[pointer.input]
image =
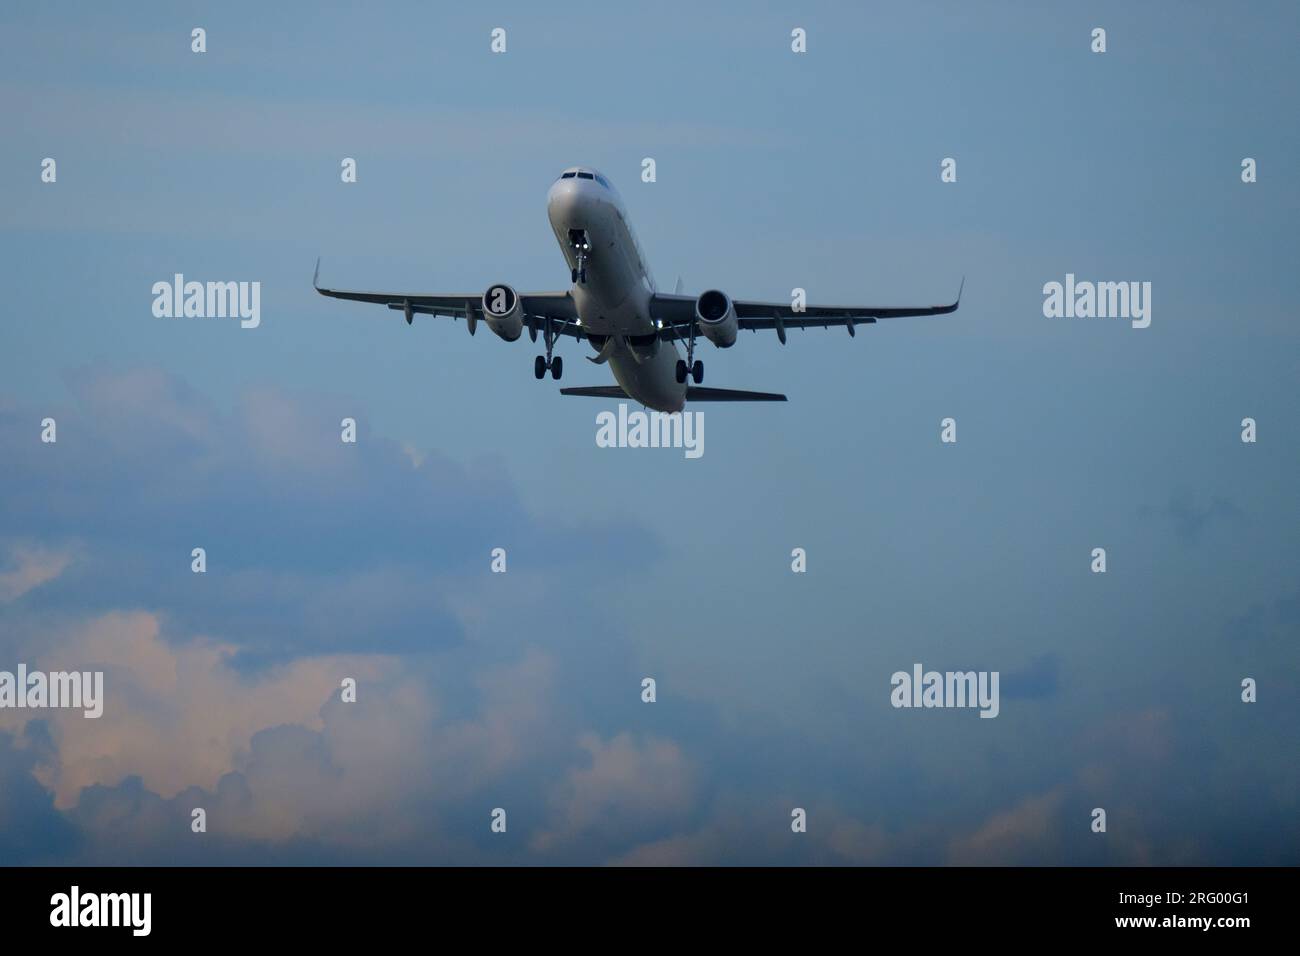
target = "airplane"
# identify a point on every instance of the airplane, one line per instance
(615, 305)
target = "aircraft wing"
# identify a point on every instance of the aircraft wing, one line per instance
(537, 306)
(678, 312)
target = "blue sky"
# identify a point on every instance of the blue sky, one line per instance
(522, 690)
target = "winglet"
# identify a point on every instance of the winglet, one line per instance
(316, 275)
(949, 309)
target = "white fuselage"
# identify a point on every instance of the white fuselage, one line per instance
(615, 298)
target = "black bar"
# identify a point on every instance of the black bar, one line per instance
(333, 905)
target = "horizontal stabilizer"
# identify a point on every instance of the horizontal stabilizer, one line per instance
(700, 394)
(693, 394)
(597, 391)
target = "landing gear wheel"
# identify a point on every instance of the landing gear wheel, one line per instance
(697, 371)
(580, 243)
(681, 371)
(550, 335)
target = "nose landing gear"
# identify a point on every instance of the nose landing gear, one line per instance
(581, 246)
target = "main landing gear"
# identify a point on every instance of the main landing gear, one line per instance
(581, 252)
(696, 370)
(554, 363)
(692, 365)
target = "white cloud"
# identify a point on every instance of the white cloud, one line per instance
(175, 715)
(630, 785)
(32, 566)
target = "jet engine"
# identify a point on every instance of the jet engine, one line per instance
(717, 317)
(503, 312)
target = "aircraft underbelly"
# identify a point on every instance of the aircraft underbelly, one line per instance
(615, 301)
(615, 297)
(651, 381)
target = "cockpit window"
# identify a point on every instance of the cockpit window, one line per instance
(586, 176)
(601, 179)
(567, 175)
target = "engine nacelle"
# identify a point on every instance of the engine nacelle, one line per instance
(717, 316)
(502, 312)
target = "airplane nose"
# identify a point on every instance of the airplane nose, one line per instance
(568, 203)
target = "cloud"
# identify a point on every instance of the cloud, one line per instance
(174, 715)
(631, 786)
(476, 690)
(312, 545)
(743, 830)
(30, 567)
(31, 829)
(323, 561)
(274, 758)
(1027, 833)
